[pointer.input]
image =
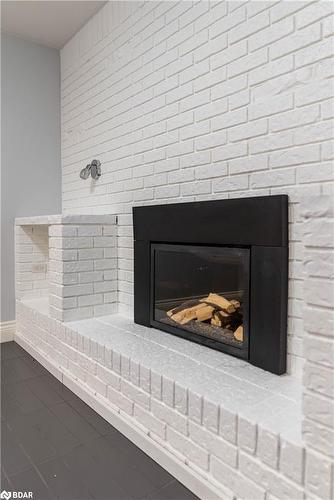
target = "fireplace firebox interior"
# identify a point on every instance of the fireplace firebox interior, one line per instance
(216, 273)
(202, 291)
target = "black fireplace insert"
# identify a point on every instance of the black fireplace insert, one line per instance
(216, 273)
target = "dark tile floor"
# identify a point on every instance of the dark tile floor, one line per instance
(56, 446)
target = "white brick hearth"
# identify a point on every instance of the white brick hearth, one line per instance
(223, 427)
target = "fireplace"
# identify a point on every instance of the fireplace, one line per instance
(216, 273)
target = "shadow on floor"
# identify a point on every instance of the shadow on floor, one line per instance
(56, 446)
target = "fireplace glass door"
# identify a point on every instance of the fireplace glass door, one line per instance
(202, 293)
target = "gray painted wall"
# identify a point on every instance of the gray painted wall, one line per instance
(30, 140)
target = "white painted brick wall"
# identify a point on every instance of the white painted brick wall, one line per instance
(83, 271)
(187, 101)
(318, 398)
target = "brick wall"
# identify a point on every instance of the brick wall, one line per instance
(83, 271)
(318, 397)
(200, 100)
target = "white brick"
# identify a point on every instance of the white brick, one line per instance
(247, 435)
(318, 437)
(195, 407)
(235, 183)
(227, 23)
(168, 391)
(270, 106)
(318, 475)
(269, 479)
(120, 401)
(77, 242)
(148, 420)
(90, 300)
(189, 132)
(271, 34)
(319, 379)
(231, 86)
(215, 446)
(239, 100)
(211, 171)
(228, 425)
(318, 350)
(181, 176)
(294, 118)
(313, 13)
(328, 26)
(181, 399)
(254, 25)
(248, 130)
(230, 54)
(167, 191)
(229, 119)
(61, 230)
(295, 156)
(96, 384)
(210, 79)
(318, 408)
(292, 461)
(247, 63)
(195, 188)
(156, 385)
(125, 367)
(268, 447)
(145, 378)
(228, 152)
(89, 230)
(249, 164)
(136, 395)
(270, 179)
(104, 309)
(204, 143)
(271, 70)
(87, 277)
(315, 132)
(285, 9)
(104, 241)
(105, 286)
(194, 453)
(210, 415)
(71, 290)
(296, 41)
(234, 480)
(210, 110)
(272, 142)
(90, 253)
(171, 417)
(314, 53)
(103, 264)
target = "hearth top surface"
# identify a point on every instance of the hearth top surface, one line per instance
(270, 400)
(46, 220)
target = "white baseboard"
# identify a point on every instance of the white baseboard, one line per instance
(7, 331)
(124, 424)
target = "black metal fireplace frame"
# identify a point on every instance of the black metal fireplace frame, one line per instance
(260, 224)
